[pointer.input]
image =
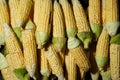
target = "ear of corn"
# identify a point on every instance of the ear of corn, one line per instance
(59, 39)
(102, 49)
(29, 49)
(54, 62)
(95, 17)
(115, 61)
(43, 29)
(84, 32)
(103, 12)
(4, 18)
(44, 66)
(112, 18)
(80, 58)
(23, 12)
(70, 67)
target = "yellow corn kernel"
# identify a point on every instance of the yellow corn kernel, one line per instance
(8, 74)
(103, 12)
(23, 12)
(71, 67)
(58, 27)
(43, 29)
(112, 19)
(115, 61)
(102, 49)
(29, 49)
(13, 7)
(80, 58)
(69, 18)
(44, 66)
(54, 62)
(37, 11)
(84, 33)
(95, 17)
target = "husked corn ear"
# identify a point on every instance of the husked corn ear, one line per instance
(54, 62)
(37, 11)
(112, 19)
(4, 18)
(29, 49)
(115, 61)
(84, 33)
(24, 9)
(58, 39)
(43, 29)
(44, 66)
(80, 58)
(103, 12)
(13, 7)
(8, 74)
(69, 18)
(102, 49)
(95, 17)
(71, 67)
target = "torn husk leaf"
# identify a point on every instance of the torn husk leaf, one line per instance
(3, 62)
(112, 28)
(85, 37)
(59, 42)
(21, 73)
(96, 29)
(71, 32)
(115, 39)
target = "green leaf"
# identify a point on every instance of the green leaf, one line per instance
(3, 62)
(115, 39)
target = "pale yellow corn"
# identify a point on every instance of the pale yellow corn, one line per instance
(82, 74)
(80, 17)
(23, 12)
(115, 61)
(44, 66)
(37, 11)
(80, 58)
(8, 74)
(29, 49)
(54, 62)
(102, 49)
(103, 12)
(71, 67)
(13, 7)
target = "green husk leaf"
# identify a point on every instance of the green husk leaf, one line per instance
(18, 31)
(106, 75)
(71, 32)
(112, 28)
(30, 25)
(101, 61)
(115, 39)
(5, 51)
(21, 73)
(45, 78)
(96, 29)
(85, 37)
(27, 77)
(73, 42)
(3, 62)
(59, 42)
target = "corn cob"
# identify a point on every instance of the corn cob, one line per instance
(37, 11)
(102, 49)
(71, 28)
(84, 33)
(80, 58)
(70, 67)
(115, 61)
(44, 66)
(43, 29)
(4, 18)
(13, 6)
(112, 18)
(58, 39)
(103, 12)
(54, 62)
(95, 17)
(23, 12)
(29, 48)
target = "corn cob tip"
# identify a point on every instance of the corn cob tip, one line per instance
(95, 76)
(73, 42)
(60, 77)
(112, 28)
(96, 29)
(45, 73)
